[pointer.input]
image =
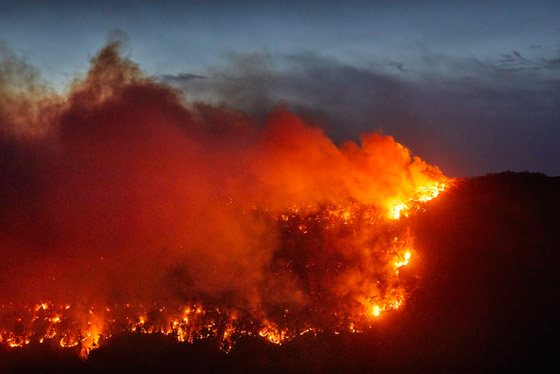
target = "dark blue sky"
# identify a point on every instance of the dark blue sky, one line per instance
(473, 87)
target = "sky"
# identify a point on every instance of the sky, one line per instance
(473, 87)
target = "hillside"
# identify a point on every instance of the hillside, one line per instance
(488, 259)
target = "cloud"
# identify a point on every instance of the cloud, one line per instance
(467, 115)
(181, 77)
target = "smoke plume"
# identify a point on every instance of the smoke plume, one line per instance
(122, 190)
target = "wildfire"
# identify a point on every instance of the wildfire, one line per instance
(422, 195)
(195, 220)
(74, 326)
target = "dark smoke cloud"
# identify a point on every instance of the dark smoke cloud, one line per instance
(466, 115)
(182, 77)
(121, 190)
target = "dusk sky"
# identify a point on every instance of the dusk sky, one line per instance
(470, 88)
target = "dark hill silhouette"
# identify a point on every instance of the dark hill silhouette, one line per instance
(488, 255)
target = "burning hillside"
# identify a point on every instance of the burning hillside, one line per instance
(127, 208)
(343, 286)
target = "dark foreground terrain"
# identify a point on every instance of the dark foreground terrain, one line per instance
(488, 301)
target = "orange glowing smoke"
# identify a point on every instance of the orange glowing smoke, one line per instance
(129, 208)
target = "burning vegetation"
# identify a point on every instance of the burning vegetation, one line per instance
(127, 208)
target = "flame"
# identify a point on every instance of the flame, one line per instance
(273, 334)
(421, 195)
(404, 261)
(398, 209)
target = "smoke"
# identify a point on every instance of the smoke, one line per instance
(468, 115)
(122, 191)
